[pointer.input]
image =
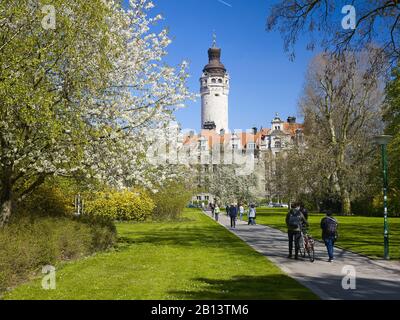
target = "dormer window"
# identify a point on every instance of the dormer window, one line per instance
(278, 144)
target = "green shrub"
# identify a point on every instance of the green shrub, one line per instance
(44, 231)
(47, 200)
(123, 205)
(171, 200)
(28, 244)
(103, 230)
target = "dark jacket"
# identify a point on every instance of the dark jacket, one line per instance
(233, 211)
(304, 211)
(303, 221)
(324, 226)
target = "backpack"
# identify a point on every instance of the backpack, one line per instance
(252, 213)
(294, 219)
(331, 226)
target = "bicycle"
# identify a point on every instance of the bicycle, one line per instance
(307, 245)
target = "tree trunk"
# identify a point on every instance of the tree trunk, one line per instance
(317, 206)
(5, 197)
(5, 207)
(346, 203)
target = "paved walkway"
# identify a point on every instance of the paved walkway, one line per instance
(374, 279)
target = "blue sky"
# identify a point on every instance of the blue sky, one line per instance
(263, 79)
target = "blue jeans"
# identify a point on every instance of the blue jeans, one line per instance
(330, 242)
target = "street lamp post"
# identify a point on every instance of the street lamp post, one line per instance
(383, 141)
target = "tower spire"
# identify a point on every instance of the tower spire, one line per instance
(214, 44)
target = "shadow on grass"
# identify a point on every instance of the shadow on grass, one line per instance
(272, 287)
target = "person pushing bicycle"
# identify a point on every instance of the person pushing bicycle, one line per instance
(295, 221)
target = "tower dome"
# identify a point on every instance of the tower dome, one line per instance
(214, 66)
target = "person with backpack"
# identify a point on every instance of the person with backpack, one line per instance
(252, 215)
(329, 233)
(216, 212)
(294, 222)
(233, 212)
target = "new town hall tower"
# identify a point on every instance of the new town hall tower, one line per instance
(214, 89)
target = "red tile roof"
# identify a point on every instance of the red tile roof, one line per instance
(214, 138)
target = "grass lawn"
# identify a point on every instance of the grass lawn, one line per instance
(192, 259)
(359, 234)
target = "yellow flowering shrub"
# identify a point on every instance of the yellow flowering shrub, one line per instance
(123, 205)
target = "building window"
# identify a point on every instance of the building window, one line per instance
(198, 197)
(217, 94)
(251, 145)
(207, 198)
(278, 144)
(213, 80)
(219, 80)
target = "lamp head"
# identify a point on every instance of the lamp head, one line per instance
(382, 139)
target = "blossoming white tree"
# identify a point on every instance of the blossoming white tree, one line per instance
(80, 99)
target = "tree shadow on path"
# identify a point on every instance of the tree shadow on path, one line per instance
(271, 287)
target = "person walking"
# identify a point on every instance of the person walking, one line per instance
(212, 207)
(241, 212)
(216, 212)
(252, 215)
(329, 233)
(227, 208)
(233, 212)
(294, 222)
(304, 211)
